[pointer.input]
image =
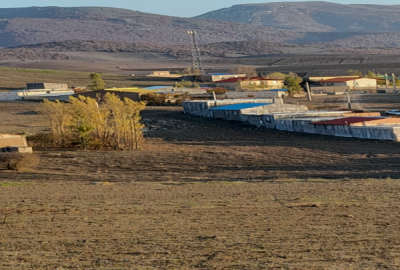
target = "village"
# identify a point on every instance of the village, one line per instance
(273, 101)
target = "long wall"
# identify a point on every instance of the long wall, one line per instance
(305, 125)
(296, 120)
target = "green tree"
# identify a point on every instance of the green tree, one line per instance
(371, 75)
(276, 76)
(354, 72)
(97, 82)
(292, 82)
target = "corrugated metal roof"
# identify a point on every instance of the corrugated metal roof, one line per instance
(346, 121)
(233, 80)
(222, 74)
(339, 80)
(157, 87)
(278, 90)
(239, 106)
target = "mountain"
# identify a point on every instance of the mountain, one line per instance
(242, 30)
(313, 16)
(21, 26)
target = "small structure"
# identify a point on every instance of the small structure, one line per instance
(254, 83)
(163, 74)
(215, 77)
(47, 86)
(351, 83)
(14, 143)
(39, 91)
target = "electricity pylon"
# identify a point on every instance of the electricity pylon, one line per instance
(196, 56)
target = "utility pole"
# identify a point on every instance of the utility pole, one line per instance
(394, 81)
(349, 101)
(308, 91)
(196, 55)
(387, 81)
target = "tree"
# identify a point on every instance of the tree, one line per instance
(276, 76)
(292, 82)
(97, 82)
(354, 72)
(371, 75)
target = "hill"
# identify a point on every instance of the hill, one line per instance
(22, 26)
(313, 16)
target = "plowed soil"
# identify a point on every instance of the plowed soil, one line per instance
(201, 195)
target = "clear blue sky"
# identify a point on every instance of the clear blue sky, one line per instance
(183, 8)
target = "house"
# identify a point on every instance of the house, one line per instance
(47, 86)
(351, 83)
(316, 80)
(254, 83)
(215, 77)
(163, 74)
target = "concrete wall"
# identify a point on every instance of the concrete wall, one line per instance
(9, 96)
(294, 118)
(201, 107)
(391, 133)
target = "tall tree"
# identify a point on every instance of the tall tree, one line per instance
(96, 82)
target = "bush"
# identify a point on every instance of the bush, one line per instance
(154, 99)
(114, 123)
(96, 82)
(18, 161)
(292, 82)
(187, 84)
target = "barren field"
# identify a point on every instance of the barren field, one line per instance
(202, 195)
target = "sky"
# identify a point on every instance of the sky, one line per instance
(181, 8)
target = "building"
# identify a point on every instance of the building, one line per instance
(163, 74)
(323, 78)
(47, 86)
(215, 77)
(350, 83)
(254, 83)
(39, 91)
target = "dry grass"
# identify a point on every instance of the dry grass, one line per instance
(112, 123)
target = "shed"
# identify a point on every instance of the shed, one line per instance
(351, 83)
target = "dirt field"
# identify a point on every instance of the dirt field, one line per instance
(202, 195)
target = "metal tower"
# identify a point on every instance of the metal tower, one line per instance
(196, 56)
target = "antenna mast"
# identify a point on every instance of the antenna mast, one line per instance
(196, 56)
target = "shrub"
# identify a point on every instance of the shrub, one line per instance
(18, 161)
(96, 82)
(154, 99)
(114, 123)
(292, 82)
(187, 84)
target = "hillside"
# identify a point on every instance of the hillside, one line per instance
(317, 28)
(313, 16)
(21, 26)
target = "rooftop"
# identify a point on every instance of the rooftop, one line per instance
(347, 121)
(233, 80)
(343, 79)
(239, 106)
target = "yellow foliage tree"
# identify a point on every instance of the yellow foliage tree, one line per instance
(114, 123)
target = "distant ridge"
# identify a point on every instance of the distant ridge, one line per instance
(313, 16)
(250, 29)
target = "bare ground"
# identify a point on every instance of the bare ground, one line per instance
(202, 195)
